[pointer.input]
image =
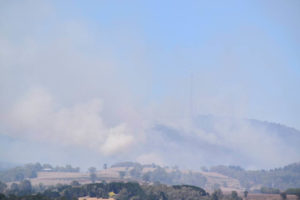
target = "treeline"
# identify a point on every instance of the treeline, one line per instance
(282, 178)
(161, 175)
(295, 191)
(67, 168)
(30, 171)
(283, 194)
(117, 190)
(133, 164)
(174, 177)
(266, 190)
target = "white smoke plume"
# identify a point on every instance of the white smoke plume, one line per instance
(37, 116)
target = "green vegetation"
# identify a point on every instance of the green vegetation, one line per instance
(266, 190)
(246, 193)
(20, 173)
(162, 175)
(119, 191)
(295, 191)
(283, 195)
(30, 171)
(93, 175)
(282, 178)
(3, 187)
(235, 196)
(217, 194)
(126, 164)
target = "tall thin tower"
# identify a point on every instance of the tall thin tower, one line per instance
(191, 102)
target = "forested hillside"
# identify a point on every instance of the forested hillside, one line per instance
(282, 178)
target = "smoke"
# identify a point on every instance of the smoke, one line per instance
(69, 81)
(38, 117)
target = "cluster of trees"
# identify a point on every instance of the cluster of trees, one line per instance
(282, 178)
(119, 190)
(20, 173)
(126, 164)
(30, 171)
(93, 175)
(67, 168)
(161, 175)
(266, 190)
(290, 191)
(218, 195)
(174, 177)
(294, 191)
(283, 194)
(21, 189)
(133, 164)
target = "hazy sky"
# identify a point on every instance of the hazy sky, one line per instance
(75, 70)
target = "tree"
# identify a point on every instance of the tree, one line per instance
(214, 196)
(2, 196)
(146, 177)
(14, 188)
(75, 183)
(41, 187)
(295, 191)
(235, 196)
(19, 176)
(266, 190)
(25, 187)
(283, 195)
(122, 174)
(3, 186)
(136, 172)
(217, 194)
(92, 169)
(204, 169)
(93, 175)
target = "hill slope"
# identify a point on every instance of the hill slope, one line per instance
(210, 140)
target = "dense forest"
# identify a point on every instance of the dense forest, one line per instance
(282, 178)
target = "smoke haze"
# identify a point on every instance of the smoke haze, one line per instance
(104, 82)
